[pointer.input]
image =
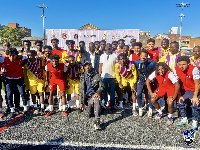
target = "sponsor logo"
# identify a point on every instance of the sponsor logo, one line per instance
(189, 136)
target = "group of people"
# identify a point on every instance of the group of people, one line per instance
(105, 77)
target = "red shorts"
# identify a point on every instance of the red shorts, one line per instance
(161, 91)
(57, 82)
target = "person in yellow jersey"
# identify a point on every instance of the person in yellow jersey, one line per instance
(126, 75)
(195, 59)
(74, 70)
(171, 58)
(35, 73)
(71, 51)
(165, 48)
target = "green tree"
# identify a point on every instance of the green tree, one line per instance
(12, 35)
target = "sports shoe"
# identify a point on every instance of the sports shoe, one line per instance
(158, 116)
(194, 128)
(97, 125)
(69, 110)
(64, 113)
(1, 115)
(113, 109)
(135, 113)
(120, 110)
(170, 121)
(195, 125)
(49, 113)
(78, 110)
(13, 115)
(140, 113)
(149, 115)
(36, 111)
(182, 122)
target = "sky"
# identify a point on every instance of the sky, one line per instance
(156, 16)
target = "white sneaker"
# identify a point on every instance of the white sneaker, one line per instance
(149, 114)
(60, 108)
(140, 113)
(48, 108)
(135, 113)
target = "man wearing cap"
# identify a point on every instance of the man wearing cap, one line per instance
(90, 93)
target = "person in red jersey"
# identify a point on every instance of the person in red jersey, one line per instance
(137, 47)
(14, 76)
(57, 50)
(189, 75)
(58, 75)
(153, 53)
(168, 84)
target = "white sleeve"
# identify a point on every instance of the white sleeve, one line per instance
(101, 59)
(65, 68)
(2, 59)
(175, 74)
(130, 57)
(46, 68)
(195, 73)
(152, 76)
(173, 77)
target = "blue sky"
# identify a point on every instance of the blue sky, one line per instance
(157, 16)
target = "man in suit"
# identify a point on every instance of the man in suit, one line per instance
(91, 56)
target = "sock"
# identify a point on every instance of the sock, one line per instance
(150, 110)
(169, 115)
(35, 106)
(121, 104)
(51, 107)
(63, 107)
(12, 109)
(140, 109)
(194, 123)
(42, 106)
(60, 102)
(28, 103)
(145, 105)
(25, 108)
(69, 104)
(0, 109)
(54, 97)
(77, 103)
(134, 104)
(159, 111)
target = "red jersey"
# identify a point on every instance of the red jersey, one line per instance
(135, 57)
(154, 54)
(164, 81)
(58, 52)
(13, 69)
(187, 78)
(56, 73)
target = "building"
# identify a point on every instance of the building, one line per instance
(89, 27)
(173, 30)
(143, 37)
(32, 40)
(16, 25)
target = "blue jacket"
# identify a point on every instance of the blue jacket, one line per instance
(144, 69)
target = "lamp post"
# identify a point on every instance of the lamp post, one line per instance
(43, 16)
(182, 15)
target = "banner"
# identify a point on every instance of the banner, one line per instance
(90, 36)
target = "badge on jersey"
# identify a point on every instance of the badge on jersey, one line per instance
(188, 76)
(164, 80)
(50, 86)
(189, 136)
(157, 90)
(154, 54)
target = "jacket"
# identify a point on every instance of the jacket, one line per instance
(97, 85)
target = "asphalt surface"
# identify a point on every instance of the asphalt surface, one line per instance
(119, 131)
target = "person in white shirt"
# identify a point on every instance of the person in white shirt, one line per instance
(91, 56)
(107, 72)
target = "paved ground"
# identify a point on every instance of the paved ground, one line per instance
(119, 131)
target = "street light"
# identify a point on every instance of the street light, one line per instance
(43, 16)
(182, 15)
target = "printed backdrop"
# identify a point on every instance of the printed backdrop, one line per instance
(90, 36)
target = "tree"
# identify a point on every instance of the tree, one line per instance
(12, 35)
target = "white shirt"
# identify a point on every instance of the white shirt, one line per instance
(92, 58)
(195, 73)
(108, 65)
(171, 76)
